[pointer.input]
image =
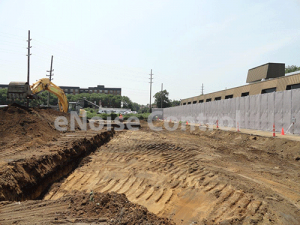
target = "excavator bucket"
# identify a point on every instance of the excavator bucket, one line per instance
(18, 90)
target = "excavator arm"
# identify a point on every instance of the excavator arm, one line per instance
(45, 84)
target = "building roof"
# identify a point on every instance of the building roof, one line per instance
(280, 83)
(266, 71)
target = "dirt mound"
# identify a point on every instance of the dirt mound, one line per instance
(112, 207)
(29, 177)
(76, 208)
(19, 125)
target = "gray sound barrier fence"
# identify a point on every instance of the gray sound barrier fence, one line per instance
(258, 112)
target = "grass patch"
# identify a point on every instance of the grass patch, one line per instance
(90, 113)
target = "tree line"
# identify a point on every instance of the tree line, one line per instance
(292, 68)
(107, 100)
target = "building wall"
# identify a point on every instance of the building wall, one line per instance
(3, 86)
(259, 112)
(281, 84)
(99, 89)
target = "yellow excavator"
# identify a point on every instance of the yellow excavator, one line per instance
(22, 90)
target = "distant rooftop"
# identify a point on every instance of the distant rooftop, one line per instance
(265, 72)
(292, 73)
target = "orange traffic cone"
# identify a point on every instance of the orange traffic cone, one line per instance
(282, 131)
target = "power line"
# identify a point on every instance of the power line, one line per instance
(12, 36)
(50, 78)
(151, 82)
(70, 61)
(28, 62)
(161, 95)
(15, 44)
(87, 66)
(105, 68)
(70, 64)
(91, 62)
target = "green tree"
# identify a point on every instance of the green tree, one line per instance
(41, 100)
(116, 101)
(290, 69)
(107, 100)
(175, 103)
(144, 109)
(135, 107)
(127, 103)
(164, 96)
(3, 95)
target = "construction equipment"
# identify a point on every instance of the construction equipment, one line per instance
(22, 90)
(86, 103)
(18, 90)
(77, 107)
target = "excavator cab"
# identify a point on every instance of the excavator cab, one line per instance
(77, 107)
(18, 90)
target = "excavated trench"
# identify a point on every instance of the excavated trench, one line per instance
(27, 179)
(210, 177)
(34, 157)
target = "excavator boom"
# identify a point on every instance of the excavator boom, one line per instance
(45, 84)
(22, 90)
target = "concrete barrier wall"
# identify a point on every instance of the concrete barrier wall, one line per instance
(159, 116)
(257, 112)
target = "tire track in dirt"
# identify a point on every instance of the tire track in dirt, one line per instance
(167, 179)
(31, 211)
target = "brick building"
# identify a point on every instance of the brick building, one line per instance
(77, 90)
(99, 89)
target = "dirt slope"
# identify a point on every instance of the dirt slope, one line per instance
(19, 125)
(28, 178)
(196, 178)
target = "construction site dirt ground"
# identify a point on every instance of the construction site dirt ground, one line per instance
(151, 177)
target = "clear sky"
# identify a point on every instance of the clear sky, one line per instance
(117, 42)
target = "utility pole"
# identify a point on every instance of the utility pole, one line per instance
(151, 88)
(202, 88)
(161, 93)
(50, 78)
(28, 62)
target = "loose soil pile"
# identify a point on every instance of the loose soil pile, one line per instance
(112, 208)
(76, 207)
(28, 177)
(20, 125)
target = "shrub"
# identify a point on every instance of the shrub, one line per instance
(140, 116)
(105, 115)
(92, 112)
